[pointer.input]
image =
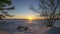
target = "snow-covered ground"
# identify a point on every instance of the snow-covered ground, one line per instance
(35, 27)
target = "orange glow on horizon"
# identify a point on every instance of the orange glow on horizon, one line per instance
(25, 17)
(30, 17)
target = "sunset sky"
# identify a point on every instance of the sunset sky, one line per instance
(22, 9)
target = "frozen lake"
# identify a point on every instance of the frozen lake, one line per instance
(34, 26)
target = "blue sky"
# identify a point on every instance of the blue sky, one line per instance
(22, 7)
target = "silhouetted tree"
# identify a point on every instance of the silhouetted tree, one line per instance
(49, 10)
(4, 6)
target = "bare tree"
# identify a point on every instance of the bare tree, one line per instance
(49, 10)
(4, 6)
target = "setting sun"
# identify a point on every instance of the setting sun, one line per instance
(30, 17)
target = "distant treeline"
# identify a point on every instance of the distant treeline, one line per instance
(27, 19)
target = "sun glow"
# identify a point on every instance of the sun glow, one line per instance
(30, 18)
